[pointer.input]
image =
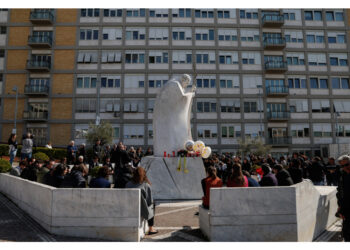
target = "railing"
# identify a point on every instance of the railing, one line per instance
(36, 89)
(40, 141)
(278, 115)
(276, 65)
(273, 19)
(30, 115)
(279, 140)
(40, 40)
(271, 41)
(41, 16)
(35, 65)
(277, 90)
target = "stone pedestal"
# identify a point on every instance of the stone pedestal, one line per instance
(171, 182)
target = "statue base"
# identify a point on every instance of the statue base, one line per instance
(171, 180)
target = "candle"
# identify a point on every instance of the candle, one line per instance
(173, 153)
(164, 153)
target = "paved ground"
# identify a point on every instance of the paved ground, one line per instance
(174, 220)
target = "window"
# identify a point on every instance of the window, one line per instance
(228, 57)
(250, 107)
(250, 35)
(320, 106)
(134, 131)
(135, 13)
(293, 36)
(317, 59)
(230, 105)
(336, 37)
(207, 131)
(108, 105)
(300, 130)
(229, 81)
(151, 105)
(88, 34)
(322, 130)
(134, 106)
(205, 34)
(313, 15)
(205, 81)
(251, 58)
(226, 13)
(85, 105)
(1, 77)
(227, 35)
(251, 81)
(182, 57)
(134, 81)
(203, 106)
(295, 59)
(230, 131)
(334, 16)
(182, 34)
(135, 34)
(342, 106)
(253, 130)
(158, 34)
(205, 57)
(110, 82)
(132, 57)
(298, 106)
(112, 34)
(157, 81)
(87, 57)
(314, 37)
(112, 12)
(204, 13)
(337, 59)
(248, 14)
(158, 13)
(89, 12)
(182, 13)
(3, 30)
(297, 83)
(111, 57)
(158, 57)
(289, 15)
(318, 83)
(340, 83)
(2, 53)
(86, 82)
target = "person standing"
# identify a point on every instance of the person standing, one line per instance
(12, 147)
(282, 175)
(27, 147)
(71, 152)
(343, 196)
(97, 150)
(317, 172)
(332, 172)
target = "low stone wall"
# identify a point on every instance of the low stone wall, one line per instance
(109, 214)
(297, 213)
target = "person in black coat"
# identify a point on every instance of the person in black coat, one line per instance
(269, 179)
(56, 176)
(97, 150)
(295, 170)
(75, 179)
(82, 152)
(282, 175)
(343, 196)
(317, 172)
(101, 180)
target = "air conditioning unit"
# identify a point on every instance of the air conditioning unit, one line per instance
(116, 114)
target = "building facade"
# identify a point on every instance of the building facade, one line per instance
(279, 74)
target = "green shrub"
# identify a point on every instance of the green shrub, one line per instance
(41, 156)
(5, 166)
(55, 153)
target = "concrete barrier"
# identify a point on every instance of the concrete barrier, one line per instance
(109, 214)
(297, 213)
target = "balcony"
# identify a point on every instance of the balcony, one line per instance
(41, 17)
(277, 91)
(276, 66)
(35, 65)
(40, 41)
(278, 115)
(274, 43)
(279, 141)
(35, 116)
(36, 90)
(272, 20)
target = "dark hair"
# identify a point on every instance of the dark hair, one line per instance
(23, 163)
(266, 168)
(212, 172)
(140, 176)
(59, 170)
(81, 168)
(246, 173)
(279, 167)
(103, 172)
(237, 175)
(11, 136)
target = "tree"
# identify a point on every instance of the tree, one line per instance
(103, 132)
(253, 146)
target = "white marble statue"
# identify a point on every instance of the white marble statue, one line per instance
(171, 116)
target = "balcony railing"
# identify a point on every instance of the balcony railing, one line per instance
(274, 43)
(40, 141)
(41, 17)
(36, 90)
(36, 65)
(279, 140)
(278, 115)
(40, 41)
(276, 66)
(272, 20)
(277, 90)
(35, 116)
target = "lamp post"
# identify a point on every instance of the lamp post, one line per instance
(15, 89)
